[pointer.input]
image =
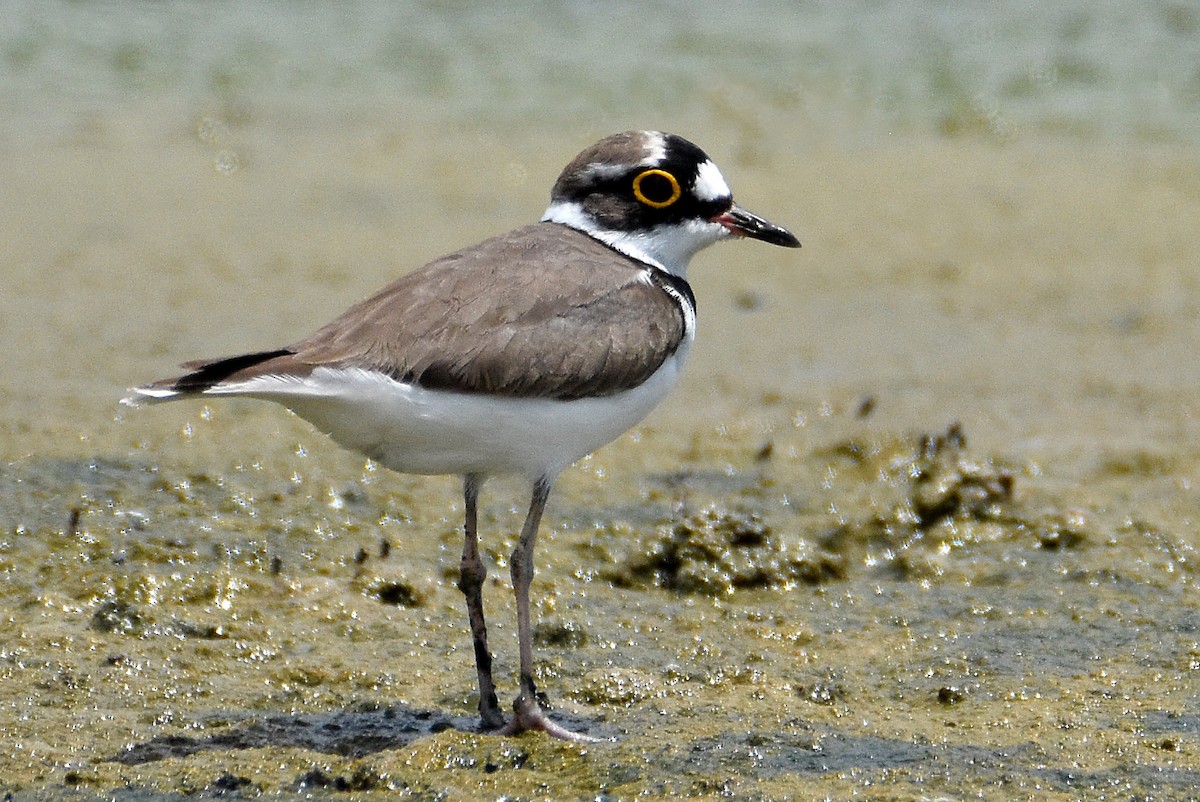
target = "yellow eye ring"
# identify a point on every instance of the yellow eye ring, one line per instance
(656, 204)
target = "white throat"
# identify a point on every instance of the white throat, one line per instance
(669, 247)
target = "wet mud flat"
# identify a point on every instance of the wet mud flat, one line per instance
(953, 629)
(919, 522)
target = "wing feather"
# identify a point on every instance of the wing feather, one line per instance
(543, 311)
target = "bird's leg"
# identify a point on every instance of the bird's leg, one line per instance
(472, 572)
(528, 714)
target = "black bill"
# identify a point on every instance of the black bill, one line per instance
(747, 224)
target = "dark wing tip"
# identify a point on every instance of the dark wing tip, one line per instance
(206, 374)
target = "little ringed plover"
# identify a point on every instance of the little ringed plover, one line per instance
(518, 355)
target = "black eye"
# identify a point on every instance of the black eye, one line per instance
(657, 189)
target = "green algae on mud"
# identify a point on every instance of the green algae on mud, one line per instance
(794, 581)
(957, 645)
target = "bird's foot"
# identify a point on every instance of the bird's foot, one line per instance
(491, 720)
(528, 715)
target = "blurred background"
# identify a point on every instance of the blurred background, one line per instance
(801, 73)
(187, 179)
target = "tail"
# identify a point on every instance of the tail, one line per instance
(204, 376)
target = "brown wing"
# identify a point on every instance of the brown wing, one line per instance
(544, 311)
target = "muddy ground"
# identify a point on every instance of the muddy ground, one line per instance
(918, 523)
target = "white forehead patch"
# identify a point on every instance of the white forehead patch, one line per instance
(710, 184)
(656, 145)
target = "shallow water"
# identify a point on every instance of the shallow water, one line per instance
(856, 599)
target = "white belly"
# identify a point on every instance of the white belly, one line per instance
(414, 430)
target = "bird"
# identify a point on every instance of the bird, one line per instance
(515, 356)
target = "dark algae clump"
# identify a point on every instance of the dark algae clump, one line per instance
(716, 551)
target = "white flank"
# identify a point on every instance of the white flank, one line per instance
(414, 430)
